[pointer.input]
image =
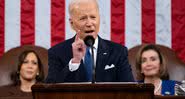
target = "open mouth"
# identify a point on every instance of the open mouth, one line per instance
(89, 31)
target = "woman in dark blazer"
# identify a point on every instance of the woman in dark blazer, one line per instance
(29, 71)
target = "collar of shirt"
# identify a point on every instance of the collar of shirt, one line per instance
(96, 43)
(95, 48)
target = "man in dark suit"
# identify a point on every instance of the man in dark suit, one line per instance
(66, 60)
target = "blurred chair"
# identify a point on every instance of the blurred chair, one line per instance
(175, 67)
(8, 62)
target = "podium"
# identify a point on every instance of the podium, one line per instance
(93, 91)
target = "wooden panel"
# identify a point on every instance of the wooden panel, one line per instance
(93, 91)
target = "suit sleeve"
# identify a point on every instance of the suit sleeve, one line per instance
(125, 71)
(56, 68)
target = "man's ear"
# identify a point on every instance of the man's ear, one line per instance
(71, 23)
(70, 20)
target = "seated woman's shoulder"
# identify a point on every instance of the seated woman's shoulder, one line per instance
(12, 91)
(7, 90)
(170, 81)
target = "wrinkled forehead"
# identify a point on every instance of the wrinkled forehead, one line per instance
(80, 4)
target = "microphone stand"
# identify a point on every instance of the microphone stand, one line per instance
(93, 66)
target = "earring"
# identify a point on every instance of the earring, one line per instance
(37, 74)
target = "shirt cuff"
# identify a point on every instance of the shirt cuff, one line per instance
(73, 66)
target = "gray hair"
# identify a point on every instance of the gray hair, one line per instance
(76, 2)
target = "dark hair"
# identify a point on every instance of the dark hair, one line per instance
(163, 74)
(22, 56)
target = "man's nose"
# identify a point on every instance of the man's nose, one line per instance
(89, 22)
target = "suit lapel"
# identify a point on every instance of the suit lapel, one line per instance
(102, 54)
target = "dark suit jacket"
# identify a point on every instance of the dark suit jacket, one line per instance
(108, 53)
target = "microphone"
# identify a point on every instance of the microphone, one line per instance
(89, 41)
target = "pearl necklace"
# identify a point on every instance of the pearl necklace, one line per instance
(158, 87)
